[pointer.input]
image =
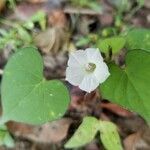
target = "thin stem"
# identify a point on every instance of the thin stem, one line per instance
(1, 72)
(133, 11)
(8, 23)
(58, 77)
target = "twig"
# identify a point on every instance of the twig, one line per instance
(72, 10)
(1, 72)
(58, 77)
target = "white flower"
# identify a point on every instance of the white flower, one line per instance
(86, 69)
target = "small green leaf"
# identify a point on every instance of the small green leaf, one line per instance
(82, 41)
(24, 35)
(5, 137)
(26, 96)
(87, 131)
(39, 17)
(121, 5)
(138, 39)
(8, 141)
(140, 2)
(114, 43)
(130, 87)
(84, 134)
(109, 136)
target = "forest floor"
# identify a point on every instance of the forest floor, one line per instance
(66, 24)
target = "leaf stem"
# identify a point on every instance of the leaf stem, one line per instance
(1, 72)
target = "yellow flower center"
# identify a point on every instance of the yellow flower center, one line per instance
(90, 67)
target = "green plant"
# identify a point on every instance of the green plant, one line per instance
(19, 33)
(93, 4)
(28, 97)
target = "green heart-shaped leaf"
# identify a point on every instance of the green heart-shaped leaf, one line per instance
(130, 87)
(26, 96)
(138, 39)
(114, 43)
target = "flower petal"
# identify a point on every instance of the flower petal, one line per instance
(93, 55)
(101, 72)
(77, 58)
(89, 83)
(74, 75)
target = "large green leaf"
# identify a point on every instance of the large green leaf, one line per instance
(114, 43)
(130, 87)
(109, 136)
(26, 95)
(88, 129)
(138, 39)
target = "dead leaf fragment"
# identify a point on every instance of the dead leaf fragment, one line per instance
(117, 109)
(52, 132)
(139, 140)
(130, 141)
(57, 18)
(51, 40)
(147, 4)
(2, 4)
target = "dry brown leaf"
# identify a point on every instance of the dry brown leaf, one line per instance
(139, 140)
(92, 146)
(20, 129)
(83, 11)
(117, 109)
(104, 117)
(52, 132)
(147, 4)
(83, 104)
(24, 10)
(129, 141)
(106, 19)
(2, 4)
(57, 18)
(45, 40)
(52, 40)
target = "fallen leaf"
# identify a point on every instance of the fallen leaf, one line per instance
(45, 40)
(106, 19)
(52, 132)
(25, 10)
(139, 140)
(19, 129)
(129, 141)
(83, 104)
(147, 4)
(52, 40)
(2, 4)
(57, 18)
(116, 109)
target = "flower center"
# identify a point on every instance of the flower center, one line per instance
(90, 67)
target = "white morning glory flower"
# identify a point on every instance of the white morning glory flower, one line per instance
(86, 69)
